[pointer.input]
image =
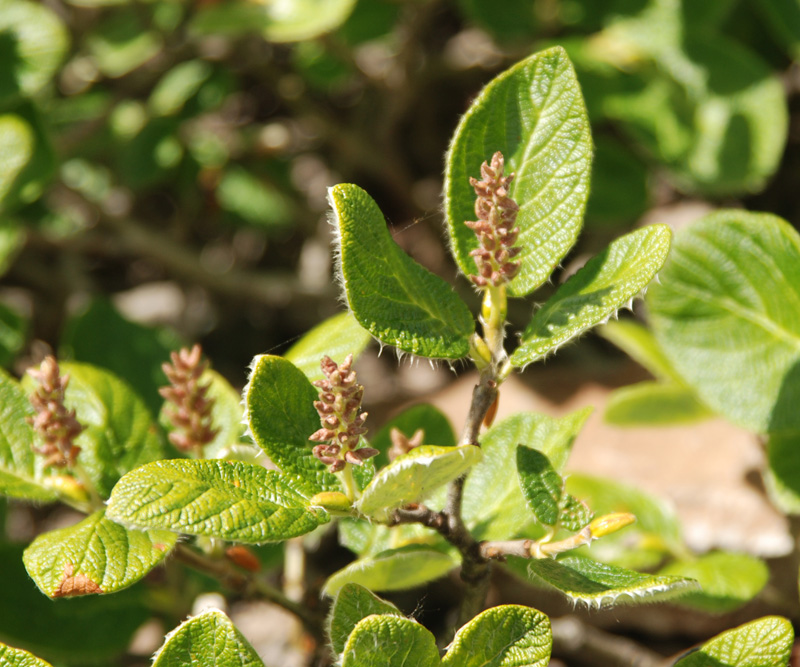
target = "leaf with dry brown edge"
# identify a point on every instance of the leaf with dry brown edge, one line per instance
(94, 556)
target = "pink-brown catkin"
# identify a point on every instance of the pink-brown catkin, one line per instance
(56, 426)
(189, 409)
(497, 215)
(339, 408)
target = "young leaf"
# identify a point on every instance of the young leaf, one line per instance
(597, 291)
(505, 636)
(304, 19)
(434, 424)
(231, 500)
(207, 639)
(94, 556)
(728, 308)
(494, 506)
(534, 114)
(398, 301)
(279, 410)
(120, 434)
(543, 489)
(352, 604)
(765, 642)
(393, 570)
(412, 476)
(19, 476)
(640, 344)
(336, 337)
(390, 641)
(600, 585)
(655, 403)
(727, 580)
(14, 657)
(16, 142)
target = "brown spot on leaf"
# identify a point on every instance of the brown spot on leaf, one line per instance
(71, 585)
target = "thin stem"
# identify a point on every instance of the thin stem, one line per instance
(95, 499)
(249, 584)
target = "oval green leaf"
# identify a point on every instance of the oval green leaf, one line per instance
(398, 301)
(15, 657)
(231, 500)
(504, 636)
(279, 411)
(207, 639)
(336, 337)
(412, 476)
(390, 641)
(16, 146)
(535, 115)
(765, 642)
(782, 477)
(728, 307)
(94, 556)
(639, 343)
(601, 585)
(596, 292)
(655, 404)
(352, 604)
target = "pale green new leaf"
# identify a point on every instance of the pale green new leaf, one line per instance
(639, 343)
(94, 556)
(16, 148)
(505, 636)
(120, 433)
(336, 337)
(727, 308)
(727, 580)
(494, 507)
(20, 472)
(279, 411)
(535, 115)
(204, 640)
(765, 642)
(599, 289)
(601, 585)
(352, 604)
(398, 301)
(390, 641)
(15, 657)
(393, 570)
(413, 476)
(655, 403)
(232, 500)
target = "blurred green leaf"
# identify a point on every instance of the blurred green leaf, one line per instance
(16, 146)
(252, 200)
(655, 404)
(398, 301)
(782, 476)
(298, 20)
(619, 185)
(727, 580)
(151, 154)
(783, 18)
(513, 21)
(177, 86)
(370, 20)
(765, 642)
(121, 43)
(101, 336)
(13, 333)
(11, 241)
(535, 115)
(640, 345)
(352, 604)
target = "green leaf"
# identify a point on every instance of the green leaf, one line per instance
(207, 639)
(398, 301)
(336, 337)
(729, 307)
(765, 642)
(783, 18)
(152, 154)
(33, 41)
(436, 426)
(596, 292)
(13, 334)
(17, 143)
(122, 43)
(390, 641)
(14, 657)
(235, 501)
(279, 411)
(102, 336)
(413, 476)
(655, 404)
(535, 115)
(21, 474)
(494, 507)
(782, 476)
(178, 86)
(253, 201)
(727, 580)
(352, 604)
(601, 585)
(515, 23)
(94, 556)
(504, 636)
(543, 489)
(370, 539)
(640, 344)
(120, 434)
(299, 20)
(393, 570)
(610, 205)
(56, 629)
(655, 535)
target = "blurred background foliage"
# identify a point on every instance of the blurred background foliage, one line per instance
(165, 164)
